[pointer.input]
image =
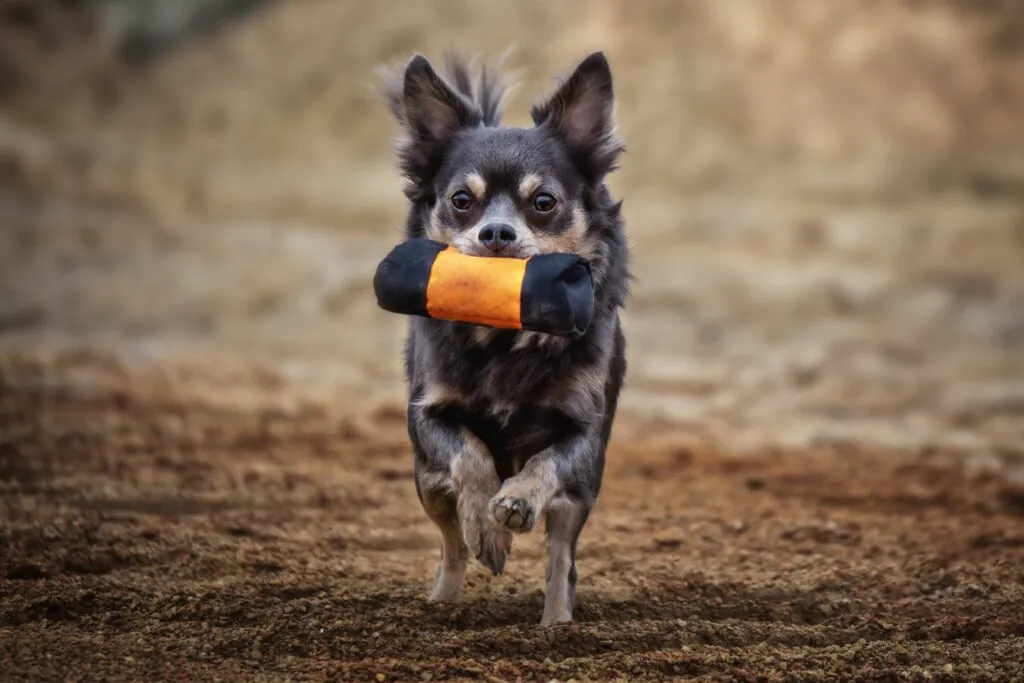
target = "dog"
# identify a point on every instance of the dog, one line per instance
(509, 427)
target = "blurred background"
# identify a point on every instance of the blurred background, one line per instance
(819, 460)
(825, 200)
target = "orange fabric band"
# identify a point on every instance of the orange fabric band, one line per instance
(476, 289)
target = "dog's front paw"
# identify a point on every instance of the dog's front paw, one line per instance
(516, 514)
(495, 546)
(553, 617)
(487, 541)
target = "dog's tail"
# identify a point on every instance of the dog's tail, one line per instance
(489, 91)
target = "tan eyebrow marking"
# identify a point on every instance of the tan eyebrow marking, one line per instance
(529, 184)
(477, 185)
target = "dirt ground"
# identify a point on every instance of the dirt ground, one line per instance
(149, 535)
(818, 471)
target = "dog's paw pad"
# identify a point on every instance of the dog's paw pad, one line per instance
(515, 513)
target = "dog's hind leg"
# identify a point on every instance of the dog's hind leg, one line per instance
(564, 521)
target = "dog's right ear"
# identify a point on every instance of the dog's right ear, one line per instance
(433, 111)
(429, 112)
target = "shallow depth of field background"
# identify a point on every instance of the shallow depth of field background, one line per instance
(826, 208)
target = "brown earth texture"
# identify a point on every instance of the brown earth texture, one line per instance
(817, 473)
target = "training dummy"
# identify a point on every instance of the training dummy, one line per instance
(549, 293)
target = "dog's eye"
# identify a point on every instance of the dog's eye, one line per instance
(461, 200)
(543, 202)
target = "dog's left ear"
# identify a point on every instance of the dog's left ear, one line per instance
(581, 113)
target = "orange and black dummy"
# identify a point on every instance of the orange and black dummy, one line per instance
(548, 293)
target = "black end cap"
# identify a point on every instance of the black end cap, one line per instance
(400, 283)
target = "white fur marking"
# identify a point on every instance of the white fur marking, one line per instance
(437, 393)
(434, 229)
(452, 570)
(557, 593)
(484, 335)
(525, 340)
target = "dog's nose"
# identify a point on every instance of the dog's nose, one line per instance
(497, 236)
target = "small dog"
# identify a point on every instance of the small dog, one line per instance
(508, 427)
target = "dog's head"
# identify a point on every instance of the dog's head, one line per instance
(489, 190)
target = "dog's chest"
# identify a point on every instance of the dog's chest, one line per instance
(514, 434)
(503, 383)
(508, 375)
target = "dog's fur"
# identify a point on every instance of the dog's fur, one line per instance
(509, 427)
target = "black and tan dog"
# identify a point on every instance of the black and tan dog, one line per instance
(509, 427)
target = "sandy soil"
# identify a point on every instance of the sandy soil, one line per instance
(818, 473)
(151, 535)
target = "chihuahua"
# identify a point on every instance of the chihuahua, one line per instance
(511, 427)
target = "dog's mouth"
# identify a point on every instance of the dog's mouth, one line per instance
(515, 251)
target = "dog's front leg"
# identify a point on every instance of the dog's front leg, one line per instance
(561, 482)
(456, 477)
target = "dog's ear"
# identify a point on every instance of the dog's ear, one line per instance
(581, 113)
(429, 112)
(433, 111)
